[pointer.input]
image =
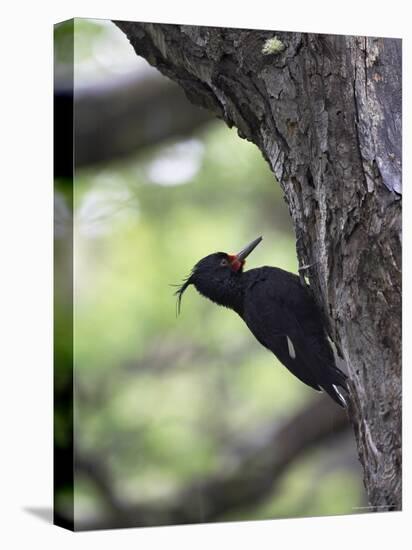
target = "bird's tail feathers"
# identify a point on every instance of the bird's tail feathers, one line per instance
(336, 381)
(335, 394)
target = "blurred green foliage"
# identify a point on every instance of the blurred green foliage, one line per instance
(171, 392)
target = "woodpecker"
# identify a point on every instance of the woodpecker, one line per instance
(279, 311)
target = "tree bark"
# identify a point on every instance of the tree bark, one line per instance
(326, 113)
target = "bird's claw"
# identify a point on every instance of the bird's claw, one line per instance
(307, 266)
(302, 270)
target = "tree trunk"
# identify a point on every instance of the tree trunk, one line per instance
(326, 113)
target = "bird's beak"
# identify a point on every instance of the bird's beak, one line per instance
(244, 253)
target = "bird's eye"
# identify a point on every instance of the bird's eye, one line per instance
(224, 262)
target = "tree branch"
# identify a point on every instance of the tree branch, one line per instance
(113, 120)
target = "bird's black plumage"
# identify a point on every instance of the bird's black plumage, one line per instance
(279, 311)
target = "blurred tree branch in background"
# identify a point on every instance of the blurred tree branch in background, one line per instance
(249, 477)
(112, 119)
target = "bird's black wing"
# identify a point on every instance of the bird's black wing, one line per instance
(284, 318)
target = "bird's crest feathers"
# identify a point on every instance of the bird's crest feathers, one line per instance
(179, 292)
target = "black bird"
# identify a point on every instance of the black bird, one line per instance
(279, 311)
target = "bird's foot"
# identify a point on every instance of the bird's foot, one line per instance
(302, 269)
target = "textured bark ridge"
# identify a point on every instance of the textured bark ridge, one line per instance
(326, 113)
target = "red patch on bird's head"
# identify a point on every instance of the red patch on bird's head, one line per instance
(235, 263)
